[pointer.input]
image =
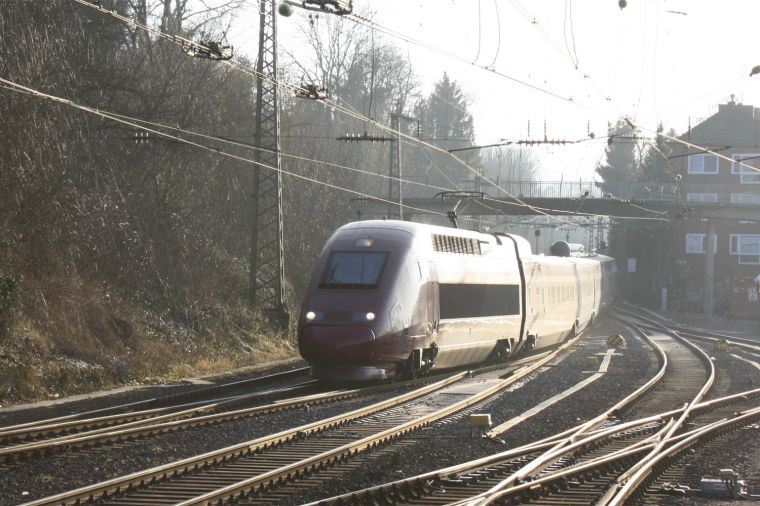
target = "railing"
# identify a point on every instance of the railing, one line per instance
(689, 194)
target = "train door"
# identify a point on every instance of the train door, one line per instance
(433, 306)
(597, 286)
(578, 299)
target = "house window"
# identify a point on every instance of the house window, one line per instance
(703, 164)
(702, 197)
(752, 199)
(747, 174)
(695, 243)
(746, 247)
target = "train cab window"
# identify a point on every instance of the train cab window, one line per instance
(354, 270)
(477, 301)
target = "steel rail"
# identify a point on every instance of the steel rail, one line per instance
(186, 419)
(417, 482)
(662, 436)
(155, 401)
(655, 320)
(556, 446)
(174, 420)
(678, 442)
(139, 478)
(576, 439)
(143, 417)
(136, 479)
(645, 471)
(353, 448)
(568, 442)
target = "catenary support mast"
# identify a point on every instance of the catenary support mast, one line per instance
(267, 258)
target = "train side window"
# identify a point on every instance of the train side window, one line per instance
(473, 301)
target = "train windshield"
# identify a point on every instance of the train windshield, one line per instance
(354, 270)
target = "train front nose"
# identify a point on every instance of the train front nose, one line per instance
(337, 344)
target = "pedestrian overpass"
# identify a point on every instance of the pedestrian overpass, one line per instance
(562, 198)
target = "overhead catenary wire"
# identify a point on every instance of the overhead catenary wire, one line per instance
(10, 85)
(456, 186)
(241, 144)
(374, 25)
(703, 149)
(572, 34)
(479, 29)
(393, 33)
(140, 124)
(498, 33)
(186, 43)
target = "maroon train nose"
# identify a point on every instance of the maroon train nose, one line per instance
(343, 344)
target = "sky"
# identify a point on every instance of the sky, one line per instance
(655, 61)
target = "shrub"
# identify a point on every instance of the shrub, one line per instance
(9, 297)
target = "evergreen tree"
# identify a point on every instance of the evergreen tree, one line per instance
(628, 160)
(446, 121)
(622, 163)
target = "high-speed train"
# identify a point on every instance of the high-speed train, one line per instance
(394, 297)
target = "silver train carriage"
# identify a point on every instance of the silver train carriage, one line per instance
(391, 297)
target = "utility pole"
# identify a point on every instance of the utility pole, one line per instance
(395, 192)
(394, 172)
(267, 274)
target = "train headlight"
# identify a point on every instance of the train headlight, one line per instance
(364, 243)
(311, 315)
(370, 316)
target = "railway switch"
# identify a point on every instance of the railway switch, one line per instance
(723, 344)
(480, 421)
(615, 341)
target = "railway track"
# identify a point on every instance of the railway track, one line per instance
(184, 417)
(266, 462)
(654, 321)
(580, 465)
(691, 375)
(124, 413)
(579, 479)
(42, 438)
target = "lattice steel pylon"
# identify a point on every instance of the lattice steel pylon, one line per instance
(267, 257)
